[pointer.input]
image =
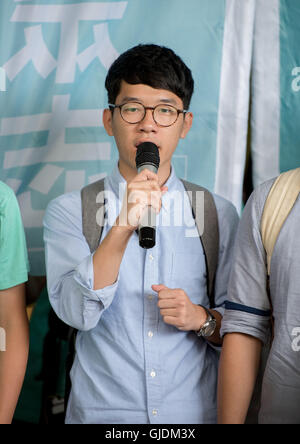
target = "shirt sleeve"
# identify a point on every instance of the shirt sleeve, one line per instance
(13, 252)
(228, 225)
(69, 265)
(248, 307)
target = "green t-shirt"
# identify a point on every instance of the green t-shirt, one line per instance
(13, 252)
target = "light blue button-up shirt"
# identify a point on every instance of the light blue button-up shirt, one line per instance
(131, 367)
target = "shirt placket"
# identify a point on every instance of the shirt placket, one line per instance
(151, 339)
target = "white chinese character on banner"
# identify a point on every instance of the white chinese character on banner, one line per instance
(35, 51)
(56, 150)
(102, 48)
(2, 80)
(69, 17)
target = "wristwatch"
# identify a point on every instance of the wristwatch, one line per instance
(209, 326)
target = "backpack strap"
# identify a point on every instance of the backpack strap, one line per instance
(93, 213)
(209, 237)
(280, 201)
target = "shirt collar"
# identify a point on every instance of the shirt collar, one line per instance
(117, 182)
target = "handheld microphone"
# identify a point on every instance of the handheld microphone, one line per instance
(147, 156)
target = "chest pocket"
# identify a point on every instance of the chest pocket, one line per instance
(189, 274)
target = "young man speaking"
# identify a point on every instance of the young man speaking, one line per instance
(143, 347)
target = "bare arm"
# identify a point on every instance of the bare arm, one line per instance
(107, 258)
(238, 370)
(13, 360)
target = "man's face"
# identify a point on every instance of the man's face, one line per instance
(128, 136)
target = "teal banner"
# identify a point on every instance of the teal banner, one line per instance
(54, 57)
(289, 84)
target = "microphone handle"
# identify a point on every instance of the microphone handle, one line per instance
(147, 224)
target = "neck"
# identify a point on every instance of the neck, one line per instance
(164, 172)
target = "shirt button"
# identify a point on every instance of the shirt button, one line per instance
(152, 374)
(150, 334)
(151, 257)
(150, 297)
(154, 412)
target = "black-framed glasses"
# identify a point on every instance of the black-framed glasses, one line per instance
(163, 114)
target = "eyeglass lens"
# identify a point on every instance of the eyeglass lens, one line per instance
(164, 115)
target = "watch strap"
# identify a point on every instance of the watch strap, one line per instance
(209, 319)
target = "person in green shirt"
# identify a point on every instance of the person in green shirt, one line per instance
(14, 331)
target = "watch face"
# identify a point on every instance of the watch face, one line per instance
(209, 329)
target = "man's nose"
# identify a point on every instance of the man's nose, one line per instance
(148, 123)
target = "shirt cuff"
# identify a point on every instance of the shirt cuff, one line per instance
(18, 279)
(242, 322)
(84, 276)
(220, 310)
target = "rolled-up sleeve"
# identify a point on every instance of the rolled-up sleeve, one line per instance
(239, 321)
(248, 308)
(69, 265)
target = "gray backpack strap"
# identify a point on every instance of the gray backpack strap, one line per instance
(92, 218)
(209, 236)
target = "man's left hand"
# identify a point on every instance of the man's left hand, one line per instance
(177, 309)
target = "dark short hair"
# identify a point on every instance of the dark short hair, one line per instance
(152, 65)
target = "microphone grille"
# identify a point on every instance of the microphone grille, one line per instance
(147, 153)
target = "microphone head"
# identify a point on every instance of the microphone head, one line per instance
(147, 154)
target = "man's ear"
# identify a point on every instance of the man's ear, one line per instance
(107, 121)
(187, 123)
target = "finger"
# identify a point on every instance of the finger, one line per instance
(147, 185)
(163, 292)
(135, 214)
(154, 200)
(141, 197)
(167, 303)
(171, 320)
(169, 312)
(146, 175)
(166, 294)
(159, 287)
(138, 197)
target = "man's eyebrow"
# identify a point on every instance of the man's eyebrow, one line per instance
(137, 99)
(130, 99)
(171, 101)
